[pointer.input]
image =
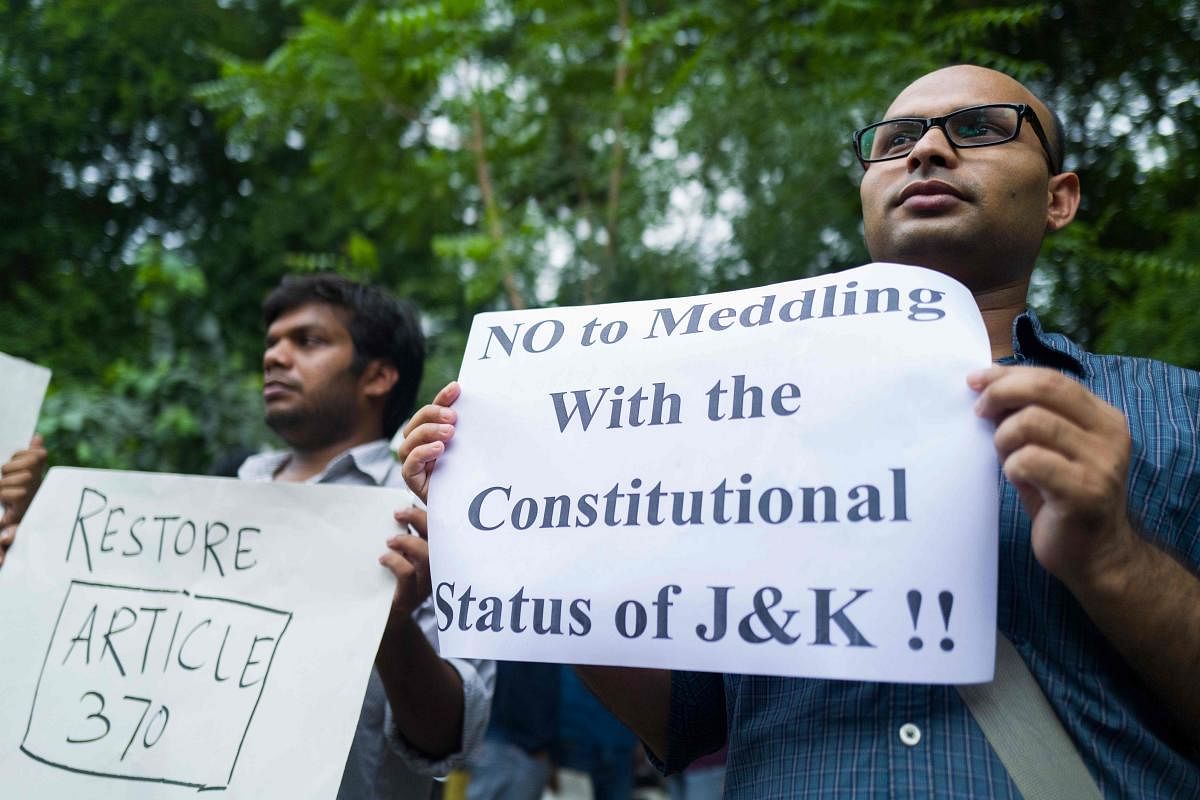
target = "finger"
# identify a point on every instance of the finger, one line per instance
(423, 434)
(413, 548)
(1047, 472)
(430, 413)
(7, 537)
(418, 465)
(22, 478)
(14, 497)
(398, 565)
(30, 457)
(448, 394)
(423, 416)
(1030, 498)
(18, 473)
(1020, 387)
(416, 519)
(981, 379)
(428, 432)
(40, 456)
(22, 461)
(1037, 425)
(437, 411)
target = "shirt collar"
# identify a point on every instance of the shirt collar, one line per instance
(1033, 345)
(373, 459)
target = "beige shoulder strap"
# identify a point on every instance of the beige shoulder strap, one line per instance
(1025, 732)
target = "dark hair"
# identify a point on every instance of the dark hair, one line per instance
(381, 326)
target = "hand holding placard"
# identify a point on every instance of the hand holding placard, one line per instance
(24, 459)
(425, 437)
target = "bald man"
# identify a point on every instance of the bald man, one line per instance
(1099, 519)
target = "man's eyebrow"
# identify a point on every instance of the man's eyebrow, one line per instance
(923, 114)
(297, 330)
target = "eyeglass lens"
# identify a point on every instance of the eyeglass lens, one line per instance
(967, 128)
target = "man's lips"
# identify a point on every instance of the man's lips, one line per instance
(929, 194)
(273, 389)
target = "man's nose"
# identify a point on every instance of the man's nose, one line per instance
(276, 355)
(932, 149)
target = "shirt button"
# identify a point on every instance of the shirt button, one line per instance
(910, 734)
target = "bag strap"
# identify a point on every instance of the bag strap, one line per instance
(1026, 734)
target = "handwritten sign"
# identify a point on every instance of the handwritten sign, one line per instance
(166, 634)
(22, 388)
(786, 480)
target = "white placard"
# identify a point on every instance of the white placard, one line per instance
(22, 388)
(165, 635)
(785, 480)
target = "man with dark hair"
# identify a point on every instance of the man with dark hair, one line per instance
(380, 327)
(341, 367)
(1099, 512)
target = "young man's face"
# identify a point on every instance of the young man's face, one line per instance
(977, 214)
(310, 391)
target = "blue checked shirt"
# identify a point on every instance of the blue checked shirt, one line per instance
(820, 738)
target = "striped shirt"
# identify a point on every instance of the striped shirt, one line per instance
(797, 738)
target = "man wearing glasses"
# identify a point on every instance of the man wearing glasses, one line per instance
(1099, 520)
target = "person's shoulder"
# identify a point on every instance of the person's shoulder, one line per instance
(378, 462)
(1107, 375)
(1161, 404)
(1150, 380)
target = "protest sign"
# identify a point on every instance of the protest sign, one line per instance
(165, 635)
(22, 387)
(786, 480)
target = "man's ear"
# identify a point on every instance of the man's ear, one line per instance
(1062, 201)
(378, 378)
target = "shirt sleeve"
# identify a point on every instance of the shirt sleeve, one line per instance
(478, 682)
(697, 725)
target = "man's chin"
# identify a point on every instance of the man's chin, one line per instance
(304, 431)
(288, 424)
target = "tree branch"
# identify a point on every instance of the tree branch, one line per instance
(618, 127)
(491, 209)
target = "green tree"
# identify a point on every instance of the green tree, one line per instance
(113, 171)
(503, 154)
(167, 163)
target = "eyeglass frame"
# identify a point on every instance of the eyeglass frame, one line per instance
(1023, 110)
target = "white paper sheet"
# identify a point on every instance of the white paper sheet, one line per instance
(167, 634)
(783, 480)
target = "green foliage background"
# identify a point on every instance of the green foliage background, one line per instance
(166, 163)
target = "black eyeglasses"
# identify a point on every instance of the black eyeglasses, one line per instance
(977, 126)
